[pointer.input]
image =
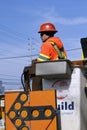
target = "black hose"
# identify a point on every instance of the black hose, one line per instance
(22, 81)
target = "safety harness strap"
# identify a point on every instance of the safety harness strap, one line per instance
(61, 54)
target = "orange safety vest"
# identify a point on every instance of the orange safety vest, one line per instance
(52, 49)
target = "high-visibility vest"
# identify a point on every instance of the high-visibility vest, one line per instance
(52, 49)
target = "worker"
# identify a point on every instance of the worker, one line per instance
(52, 47)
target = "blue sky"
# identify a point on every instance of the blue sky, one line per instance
(19, 23)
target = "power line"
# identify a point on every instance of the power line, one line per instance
(8, 75)
(23, 56)
(74, 49)
(10, 31)
(11, 83)
(15, 51)
(10, 79)
(2, 58)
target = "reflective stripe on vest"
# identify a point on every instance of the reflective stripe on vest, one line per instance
(43, 57)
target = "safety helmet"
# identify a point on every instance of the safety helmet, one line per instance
(47, 27)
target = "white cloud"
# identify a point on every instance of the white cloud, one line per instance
(51, 15)
(67, 21)
(71, 21)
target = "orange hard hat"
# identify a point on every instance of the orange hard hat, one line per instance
(47, 27)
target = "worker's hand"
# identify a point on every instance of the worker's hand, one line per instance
(34, 61)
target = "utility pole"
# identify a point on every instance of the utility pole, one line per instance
(30, 49)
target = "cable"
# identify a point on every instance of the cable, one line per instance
(17, 57)
(74, 49)
(10, 79)
(11, 31)
(9, 83)
(22, 81)
(8, 75)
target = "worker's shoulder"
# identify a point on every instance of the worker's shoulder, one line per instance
(54, 39)
(47, 44)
